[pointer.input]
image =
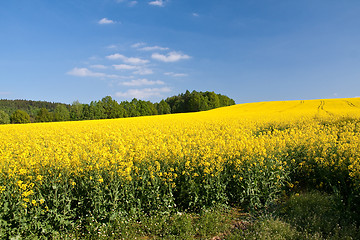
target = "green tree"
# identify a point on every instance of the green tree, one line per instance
(76, 111)
(214, 101)
(133, 110)
(43, 116)
(4, 117)
(177, 104)
(145, 108)
(20, 116)
(163, 108)
(112, 108)
(61, 113)
(194, 102)
(97, 110)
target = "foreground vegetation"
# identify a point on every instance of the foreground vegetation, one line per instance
(103, 177)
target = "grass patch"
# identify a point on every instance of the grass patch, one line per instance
(203, 225)
(311, 215)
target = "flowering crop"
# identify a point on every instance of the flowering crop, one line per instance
(63, 174)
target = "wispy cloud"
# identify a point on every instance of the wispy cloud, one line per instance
(172, 74)
(158, 3)
(84, 72)
(130, 60)
(112, 46)
(142, 82)
(195, 14)
(124, 67)
(143, 93)
(99, 66)
(140, 70)
(137, 45)
(154, 48)
(143, 71)
(170, 57)
(141, 46)
(132, 3)
(105, 21)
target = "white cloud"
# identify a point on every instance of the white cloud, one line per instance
(142, 82)
(153, 48)
(124, 67)
(170, 57)
(139, 69)
(195, 14)
(105, 21)
(172, 74)
(139, 44)
(84, 72)
(112, 46)
(143, 93)
(144, 71)
(115, 56)
(130, 60)
(132, 3)
(133, 60)
(99, 66)
(159, 3)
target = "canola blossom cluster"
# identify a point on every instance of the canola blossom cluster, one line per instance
(57, 176)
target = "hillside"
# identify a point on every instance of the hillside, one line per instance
(29, 106)
(119, 174)
(297, 108)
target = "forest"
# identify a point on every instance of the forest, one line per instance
(27, 111)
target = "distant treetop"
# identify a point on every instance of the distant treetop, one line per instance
(21, 111)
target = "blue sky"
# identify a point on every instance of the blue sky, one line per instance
(249, 50)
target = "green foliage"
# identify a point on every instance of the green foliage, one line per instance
(112, 109)
(19, 116)
(61, 113)
(108, 108)
(30, 107)
(320, 213)
(44, 116)
(197, 101)
(309, 215)
(265, 229)
(4, 117)
(76, 111)
(163, 108)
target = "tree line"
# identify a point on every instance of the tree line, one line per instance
(23, 111)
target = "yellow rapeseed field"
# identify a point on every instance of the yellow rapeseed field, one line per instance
(244, 154)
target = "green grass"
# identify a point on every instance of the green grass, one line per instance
(311, 215)
(203, 225)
